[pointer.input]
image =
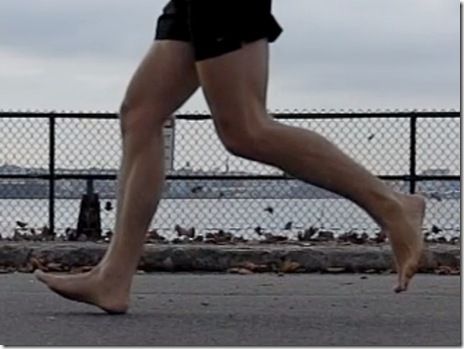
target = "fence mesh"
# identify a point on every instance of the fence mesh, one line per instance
(210, 189)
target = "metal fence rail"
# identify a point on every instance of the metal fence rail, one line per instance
(66, 153)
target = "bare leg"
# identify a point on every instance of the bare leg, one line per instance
(164, 81)
(248, 131)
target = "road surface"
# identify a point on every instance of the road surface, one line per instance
(228, 309)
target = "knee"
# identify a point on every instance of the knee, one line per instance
(139, 119)
(246, 141)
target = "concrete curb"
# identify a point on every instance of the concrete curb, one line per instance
(28, 256)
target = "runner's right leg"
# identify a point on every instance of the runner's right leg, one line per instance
(165, 79)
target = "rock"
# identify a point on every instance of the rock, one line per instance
(54, 267)
(271, 239)
(14, 255)
(28, 268)
(241, 271)
(168, 264)
(363, 238)
(289, 266)
(239, 239)
(38, 263)
(254, 267)
(82, 237)
(443, 270)
(371, 271)
(198, 238)
(335, 270)
(69, 255)
(221, 237)
(325, 236)
(354, 238)
(247, 265)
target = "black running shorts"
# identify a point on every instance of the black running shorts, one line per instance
(216, 27)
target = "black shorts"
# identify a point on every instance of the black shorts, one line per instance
(216, 27)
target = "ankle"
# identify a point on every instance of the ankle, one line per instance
(392, 210)
(111, 274)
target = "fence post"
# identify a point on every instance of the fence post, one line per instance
(89, 221)
(89, 186)
(412, 154)
(51, 170)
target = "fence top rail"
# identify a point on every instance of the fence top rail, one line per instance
(278, 114)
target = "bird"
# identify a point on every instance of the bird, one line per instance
(380, 237)
(371, 137)
(269, 209)
(21, 224)
(307, 234)
(197, 189)
(108, 206)
(288, 226)
(153, 235)
(436, 196)
(258, 230)
(184, 232)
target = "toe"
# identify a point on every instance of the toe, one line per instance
(400, 288)
(40, 275)
(402, 284)
(404, 278)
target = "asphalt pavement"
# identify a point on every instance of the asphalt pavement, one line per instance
(229, 309)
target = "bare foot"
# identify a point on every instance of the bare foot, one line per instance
(406, 238)
(90, 288)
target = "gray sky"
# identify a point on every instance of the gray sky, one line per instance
(80, 54)
(333, 54)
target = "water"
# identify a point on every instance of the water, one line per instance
(240, 216)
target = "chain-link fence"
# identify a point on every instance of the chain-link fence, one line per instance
(48, 161)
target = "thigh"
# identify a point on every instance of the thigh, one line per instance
(164, 80)
(235, 85)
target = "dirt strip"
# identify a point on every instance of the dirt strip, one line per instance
(239, 258)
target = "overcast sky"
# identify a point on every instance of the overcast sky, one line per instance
(80, 54)
(334, 54)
